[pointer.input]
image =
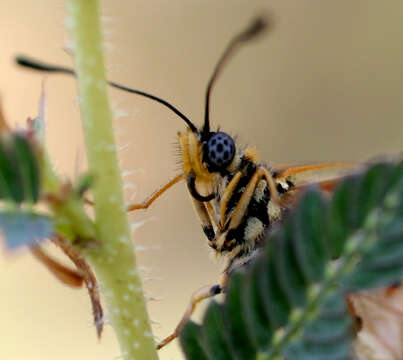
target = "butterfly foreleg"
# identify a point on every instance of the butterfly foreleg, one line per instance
(207, 217)
(229, 190)
(242, 205)
(264, 173)
(156, 194)
(201, 294)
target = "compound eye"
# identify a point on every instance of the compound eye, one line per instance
(220, 150)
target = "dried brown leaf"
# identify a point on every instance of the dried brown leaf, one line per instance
(381, 314)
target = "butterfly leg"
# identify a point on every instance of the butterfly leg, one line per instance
(201, 294)
(155, 195)
(206, 216)
(229, 190)
(243, 203)
(264, 173)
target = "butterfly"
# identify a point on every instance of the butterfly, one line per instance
(236, 198)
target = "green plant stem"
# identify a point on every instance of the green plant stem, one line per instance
(114, 261)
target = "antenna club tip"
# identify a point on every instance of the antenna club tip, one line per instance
(258, 25)
(19, 59)
(25, 61)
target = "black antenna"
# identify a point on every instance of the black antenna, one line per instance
(255, 28)
(40, 66)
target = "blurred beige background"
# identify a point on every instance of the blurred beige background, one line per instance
(325, 85)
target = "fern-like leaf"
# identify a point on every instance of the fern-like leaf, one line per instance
(291, 302)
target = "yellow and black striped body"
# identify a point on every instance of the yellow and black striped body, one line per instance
(241, 244)
(242, 209)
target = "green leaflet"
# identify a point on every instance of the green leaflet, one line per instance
(19, 170)
(20, 183)
(290, 304)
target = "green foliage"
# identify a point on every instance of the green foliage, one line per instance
(290, 303)
(19, 170)
(20, 183)
(83, 184)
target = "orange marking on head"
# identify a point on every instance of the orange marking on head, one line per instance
(251, 154)
(184, 144)
(192, 156)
